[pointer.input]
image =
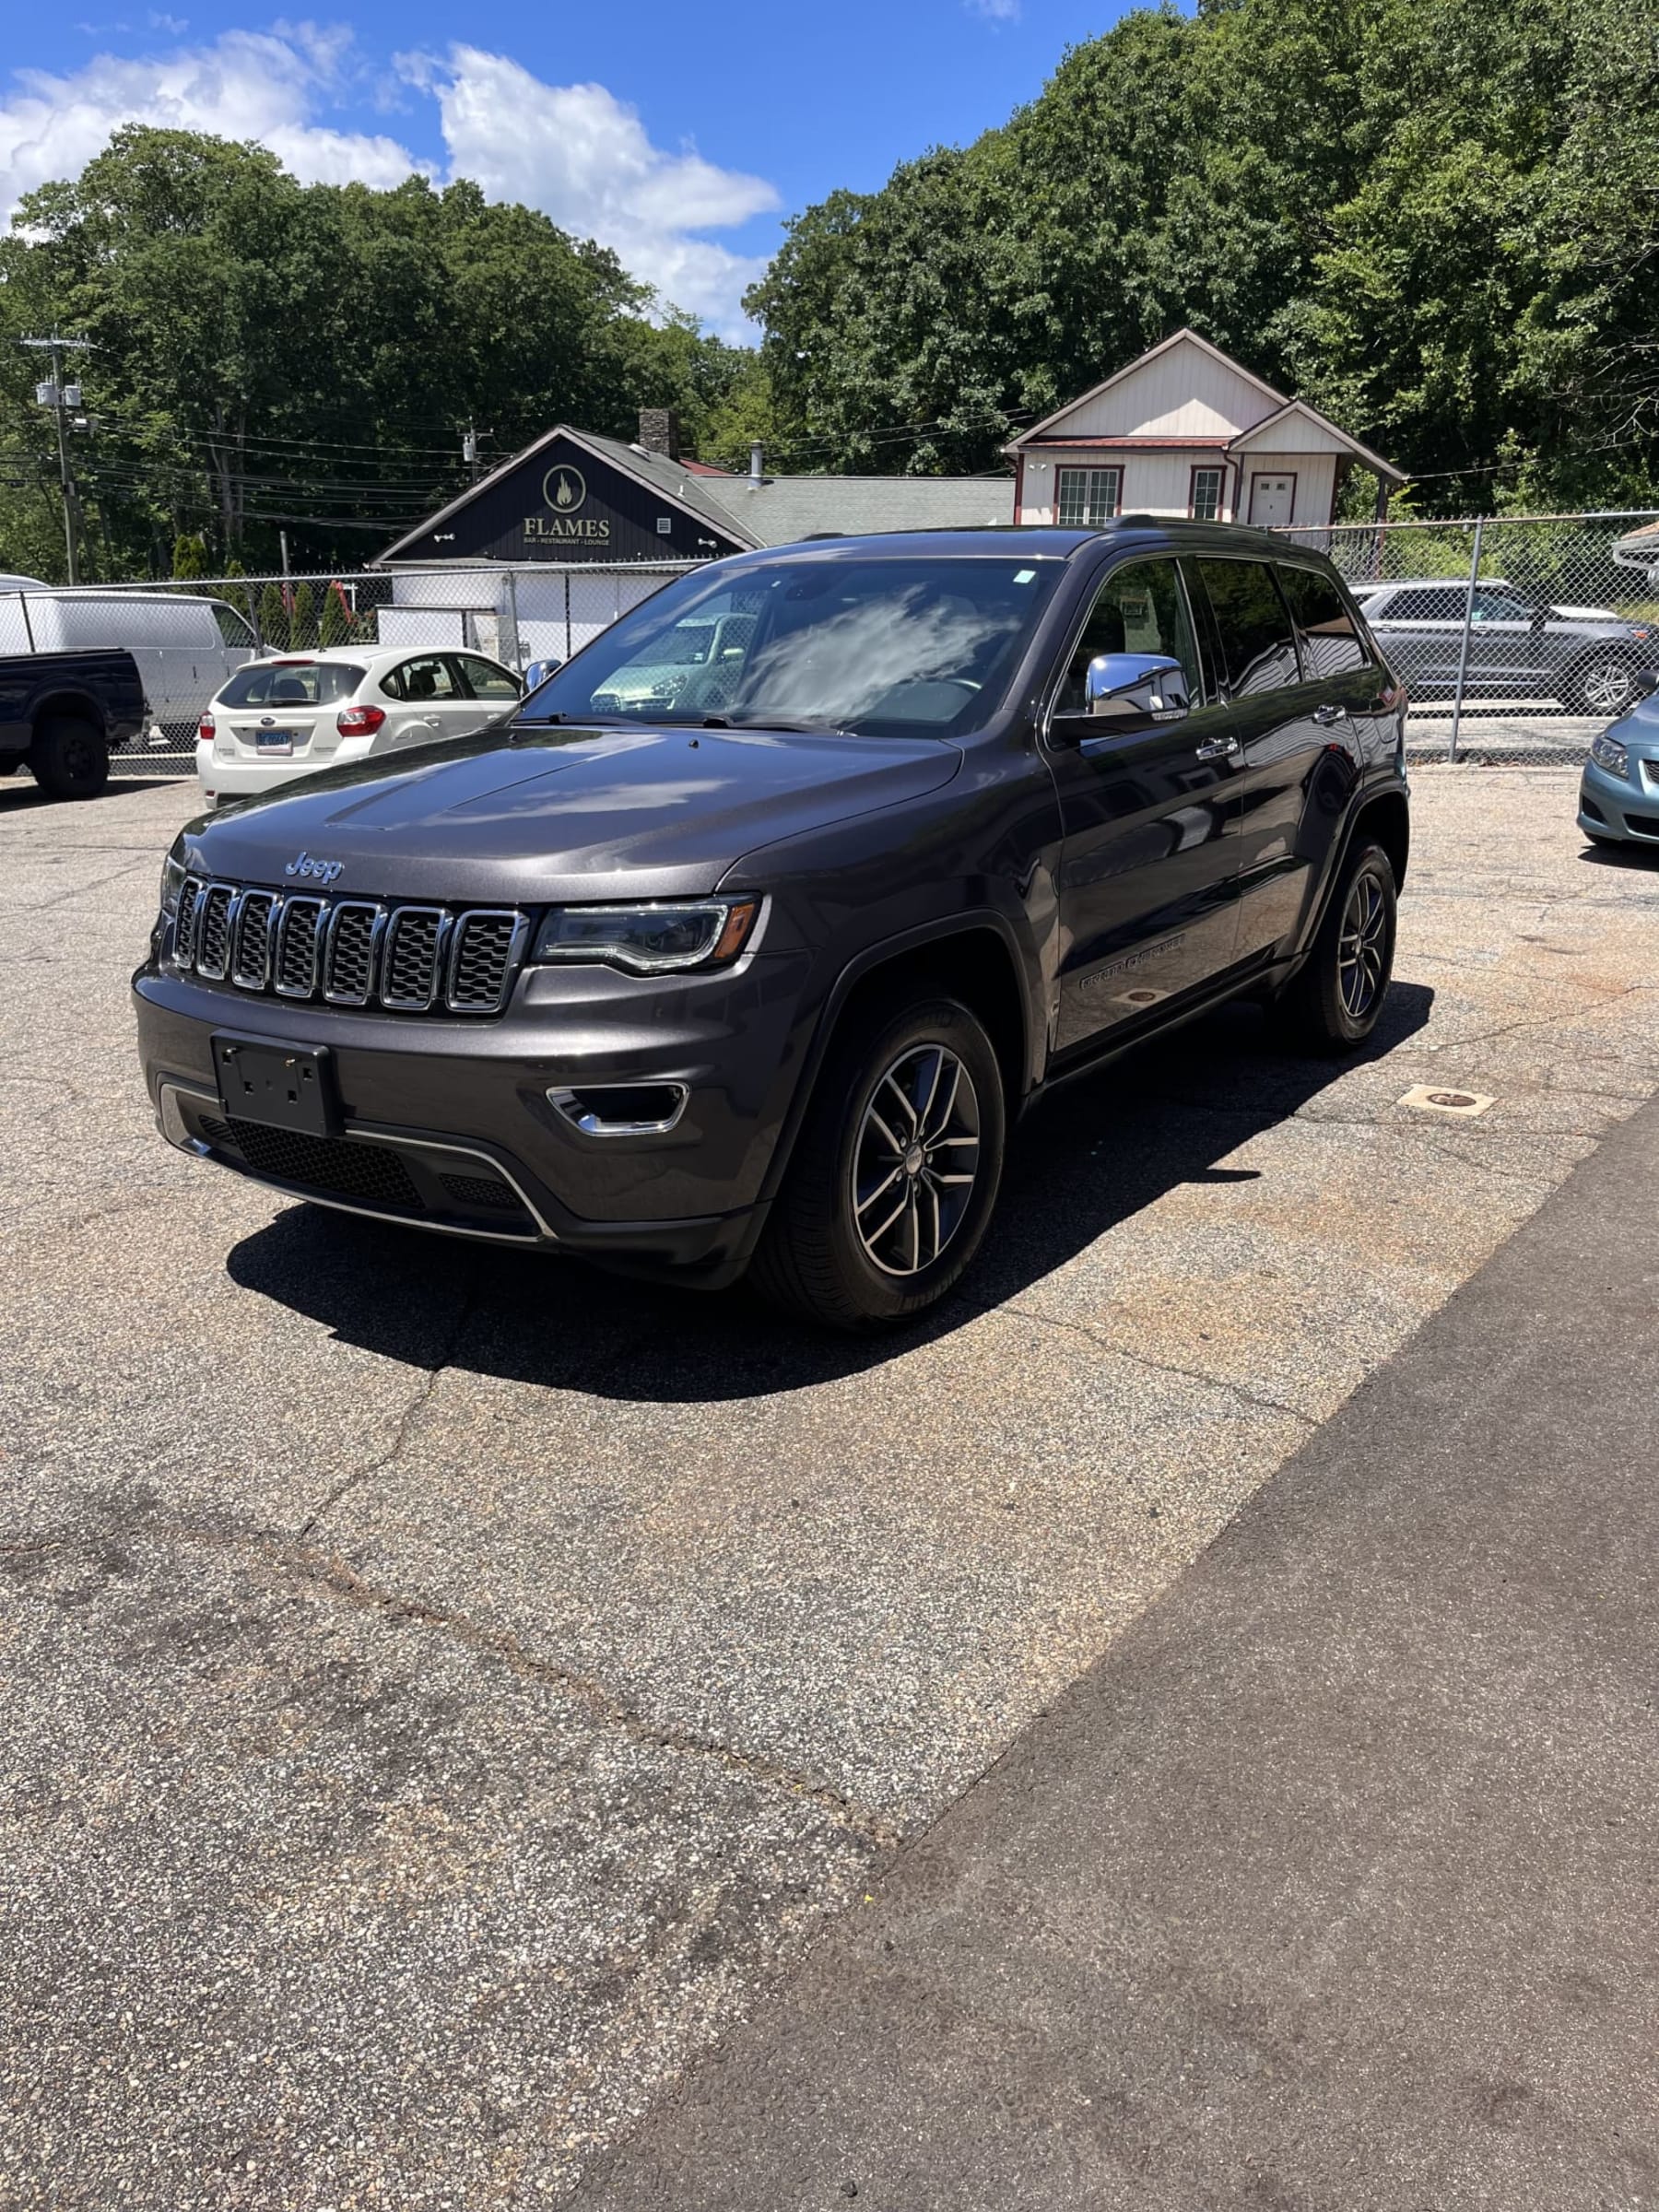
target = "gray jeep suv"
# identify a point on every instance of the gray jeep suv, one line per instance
(763, 972)
(1587, 657)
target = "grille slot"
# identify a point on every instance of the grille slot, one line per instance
(213, 932)
(190, 891)
(251, 964)
(409, 963)
(353, 940)
(371, 1173)
(297, 933)
(481, 957)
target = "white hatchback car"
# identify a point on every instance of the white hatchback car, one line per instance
(300, 711)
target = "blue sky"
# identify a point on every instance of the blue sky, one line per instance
(679, 133)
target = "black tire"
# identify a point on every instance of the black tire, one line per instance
(813, 1257)
(69, 758)
(1604, 683)
(1336, 997)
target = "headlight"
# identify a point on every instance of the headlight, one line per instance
(174, 873)
(649, 940)
(1607, 752)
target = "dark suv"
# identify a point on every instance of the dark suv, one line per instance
(757, 964)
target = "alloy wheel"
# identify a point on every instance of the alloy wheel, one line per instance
(1361, 947)
(916, 1159)
(1606, 687)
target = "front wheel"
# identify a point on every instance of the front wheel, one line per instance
(70, 758)
(1335, 998)
(1605, 686)
(895, 1171)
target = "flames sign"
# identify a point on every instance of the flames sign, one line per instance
(564, 492)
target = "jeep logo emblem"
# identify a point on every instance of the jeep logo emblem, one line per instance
(303, 867)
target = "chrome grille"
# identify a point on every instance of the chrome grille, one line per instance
(350, 952)
(482, 950)
(213, 931)
(298, 928)
(409, 962)
(352, 943)
(251, 964)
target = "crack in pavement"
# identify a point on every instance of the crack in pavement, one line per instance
(329, 1574)
(411, 1412)
(1164, 1367)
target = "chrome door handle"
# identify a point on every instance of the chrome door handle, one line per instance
(1332, 712)
(1216, 748)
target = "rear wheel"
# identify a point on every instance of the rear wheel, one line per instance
(69, 758)
(895, 1171)
(1336, 997)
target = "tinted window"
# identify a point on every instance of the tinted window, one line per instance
(232, 629)
(870, 645)
(429, 678)
(1141, 608)
(483, 679)
(1432, 602)
(1330, 639)
(291, 684)
(1500, 606)
(1258, 650)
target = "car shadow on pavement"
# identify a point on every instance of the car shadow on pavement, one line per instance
(1093, 1155)
(1635, 858)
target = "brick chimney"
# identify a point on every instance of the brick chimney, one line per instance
(659, 431)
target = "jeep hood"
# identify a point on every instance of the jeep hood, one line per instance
(540, 815)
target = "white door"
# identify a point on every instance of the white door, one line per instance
(1272, 500)
(431, 702)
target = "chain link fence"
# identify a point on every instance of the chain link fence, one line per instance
(514, 614)
(1518, 636)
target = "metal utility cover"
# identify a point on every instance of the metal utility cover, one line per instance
(1440, 1098)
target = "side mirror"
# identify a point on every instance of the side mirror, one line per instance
(1645, 682)
(539, 671)
(1149, 684)
(1540, 616)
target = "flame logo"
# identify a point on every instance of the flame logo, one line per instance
(564, 489)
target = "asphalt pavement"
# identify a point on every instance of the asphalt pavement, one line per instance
(1333, 1883)
(440, 1692)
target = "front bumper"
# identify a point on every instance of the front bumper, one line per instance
(449, 1124)
(1619, 807)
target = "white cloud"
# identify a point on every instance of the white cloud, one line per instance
(247, 84)
(575, 151)
(993, 11)
(585, 159)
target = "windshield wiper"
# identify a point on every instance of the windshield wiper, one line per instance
(770, 722)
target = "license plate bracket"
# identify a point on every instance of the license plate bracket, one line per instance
(283, 1085)
(273, 741)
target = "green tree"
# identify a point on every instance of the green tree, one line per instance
(189, 557)
(335, 625)
(302, 619)
(273, 618)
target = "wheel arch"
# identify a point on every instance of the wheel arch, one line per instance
(68, 706)
(972, 957)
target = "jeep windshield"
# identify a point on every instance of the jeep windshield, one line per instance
(865, 646)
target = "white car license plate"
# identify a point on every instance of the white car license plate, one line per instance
(273, 741)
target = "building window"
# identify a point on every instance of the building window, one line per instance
(1205, 506)
(1087, 497)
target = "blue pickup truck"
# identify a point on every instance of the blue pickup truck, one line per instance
(62, 714)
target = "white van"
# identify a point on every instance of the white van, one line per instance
(187, 648)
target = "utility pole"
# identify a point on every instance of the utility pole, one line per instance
(470, 449)
(57, 396)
